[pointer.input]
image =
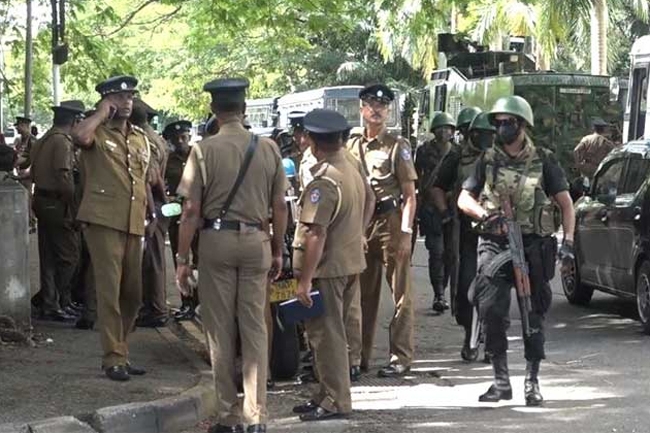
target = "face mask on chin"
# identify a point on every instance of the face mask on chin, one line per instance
(508, 134)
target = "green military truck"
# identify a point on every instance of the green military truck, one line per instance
(564, 104)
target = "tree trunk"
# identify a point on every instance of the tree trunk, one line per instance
(599, 24)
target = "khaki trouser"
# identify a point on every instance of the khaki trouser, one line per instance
(232, 286)
(153, 272)
(328, 339)
(116, 259)
(383, 237)
(353, 325)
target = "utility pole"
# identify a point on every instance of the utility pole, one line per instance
(59, 47)
(29, 59)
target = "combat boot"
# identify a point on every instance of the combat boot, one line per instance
(531, 384)
(440, 304)
(467, 353)
(500, 389)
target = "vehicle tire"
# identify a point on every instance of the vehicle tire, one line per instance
(285, 352)
(643, 295)
(576, 292)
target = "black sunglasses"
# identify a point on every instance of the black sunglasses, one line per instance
(505, 122)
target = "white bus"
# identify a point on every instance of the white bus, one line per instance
(261, 113)
(636, 123)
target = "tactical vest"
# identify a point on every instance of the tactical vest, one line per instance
(521, 180)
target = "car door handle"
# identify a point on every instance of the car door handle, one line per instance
(637, 213)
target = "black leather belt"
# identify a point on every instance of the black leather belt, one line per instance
(47, 194)
(386, 205)
(216, 224)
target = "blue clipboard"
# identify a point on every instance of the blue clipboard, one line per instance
(292, 311)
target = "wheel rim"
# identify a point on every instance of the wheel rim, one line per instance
(643, 297)
(569, 280)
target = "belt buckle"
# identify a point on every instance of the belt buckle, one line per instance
(217, 224)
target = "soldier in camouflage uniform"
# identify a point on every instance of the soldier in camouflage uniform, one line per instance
(592, 149)
(532, 180)
(455, 168)
(434, 225)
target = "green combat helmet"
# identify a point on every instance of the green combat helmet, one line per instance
(466, 115)
(482, 122)
(515, 106)
(442, 119)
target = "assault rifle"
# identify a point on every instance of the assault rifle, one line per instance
(522, 280)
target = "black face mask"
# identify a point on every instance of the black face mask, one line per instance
(482, 140)
(507, 134)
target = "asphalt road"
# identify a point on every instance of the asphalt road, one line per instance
(595, 378)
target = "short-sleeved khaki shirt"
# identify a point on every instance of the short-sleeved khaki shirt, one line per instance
(589, 153)
(115, 168)
(224, 154)
(387, 161)
(52, 162)
(334, 199)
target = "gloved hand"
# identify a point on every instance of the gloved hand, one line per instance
(566, 256)
(493, 223)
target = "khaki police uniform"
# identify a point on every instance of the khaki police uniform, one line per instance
(591, 150)
(307, 162)
(113, 210)
(334, 200)
(235, 263)
(58, 244)
(387, 162)
(153, 263)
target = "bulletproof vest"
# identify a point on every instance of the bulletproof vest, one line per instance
(521, 180)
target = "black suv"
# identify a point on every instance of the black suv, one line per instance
(613, 231)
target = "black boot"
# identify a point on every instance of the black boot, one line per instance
(440, 304)
(501, 389)
(531, 384)
(468, 354)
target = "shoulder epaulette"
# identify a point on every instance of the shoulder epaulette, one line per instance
(140, 130)
(357, 131)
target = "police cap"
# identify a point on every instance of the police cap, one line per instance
(322, 121)
(119, 84)
(73, 106)
(296, 119)
(227, 89)
(378, 92)
(177, 128)
(599, 122)
(22, 120)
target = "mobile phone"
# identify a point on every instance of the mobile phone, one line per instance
(111, 112)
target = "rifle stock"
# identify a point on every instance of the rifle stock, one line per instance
(519, 264)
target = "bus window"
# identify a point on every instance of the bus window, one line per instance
(440, 98)
(349, 108)
(638, 102)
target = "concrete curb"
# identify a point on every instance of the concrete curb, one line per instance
(159, 416)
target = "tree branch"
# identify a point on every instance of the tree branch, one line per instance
(130, 17)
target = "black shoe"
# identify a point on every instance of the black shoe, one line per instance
(57, 316)
(151, 322)
(76, 306)
(468, 354)
(84, 323)
(440, 304)
(270, 384)
(493, 395)
(135, 371)
(184, 313)
(533, 396)
(319, 414)
(355, 373)
(256, 428)
(117, 373)
(71, 311)
(218, 428)
(305, 407)
(393, 370)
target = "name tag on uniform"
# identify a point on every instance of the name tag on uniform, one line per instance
(111, 146)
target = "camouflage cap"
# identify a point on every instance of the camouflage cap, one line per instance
(442, 119)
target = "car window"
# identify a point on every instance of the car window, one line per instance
(608, 179)
(636, 173)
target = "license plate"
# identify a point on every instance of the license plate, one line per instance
(283, 290)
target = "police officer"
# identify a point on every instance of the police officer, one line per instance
(154, 310)
(236, 251)
(531, 179)
(113, 209)
(436, 227)
(592, 149)
(328, 252)
(455, 168)
(178, 135)
(58, 243)
(388, 165)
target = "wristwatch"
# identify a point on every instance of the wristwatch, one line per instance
(182, 260)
